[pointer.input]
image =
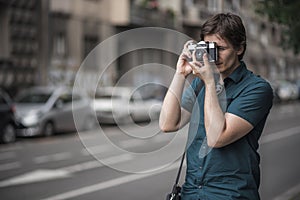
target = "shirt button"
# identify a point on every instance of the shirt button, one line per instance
(200, 167)
(200, 187)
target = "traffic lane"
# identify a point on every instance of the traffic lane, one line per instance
(282, 116)
(56, 165)
(44, 189)
(76, 181)
(280, 166)
(156, 186)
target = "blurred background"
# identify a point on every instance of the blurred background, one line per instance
(43, 43)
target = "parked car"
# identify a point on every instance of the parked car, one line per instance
(7, 119)
(123, 105)
(48, 110)
(287, 90)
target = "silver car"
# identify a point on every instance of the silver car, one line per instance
(47, 110)
(123, 105)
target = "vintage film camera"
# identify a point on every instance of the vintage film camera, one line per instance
(204, 47)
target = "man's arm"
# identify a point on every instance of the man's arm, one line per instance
(221, 129)
(172, 116)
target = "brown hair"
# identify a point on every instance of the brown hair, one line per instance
(229, 27)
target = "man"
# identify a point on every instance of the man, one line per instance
(222, 158)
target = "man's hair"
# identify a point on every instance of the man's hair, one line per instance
(229, 27)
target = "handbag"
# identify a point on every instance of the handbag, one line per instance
(176, 190)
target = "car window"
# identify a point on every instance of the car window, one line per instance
(33, 98)
(76, 97)
(66, 98)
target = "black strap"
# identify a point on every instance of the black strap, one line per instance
(179, 170)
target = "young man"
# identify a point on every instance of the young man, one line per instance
(222, 158)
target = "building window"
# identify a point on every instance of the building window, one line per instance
(214, 5)
(90, 42)
(59, 45)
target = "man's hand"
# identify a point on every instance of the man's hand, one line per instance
(183, 66)
(205, 71)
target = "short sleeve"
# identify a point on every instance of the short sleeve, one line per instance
(254, 103)
(189, 95)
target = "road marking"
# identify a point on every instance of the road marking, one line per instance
(48, 174)
(290, 194)
(52, 157)
(109, 184)
(97, 149)
(7, 155)
(35, 176)
(280, 135)
(95, 163)
(11, 148)
(10, 166)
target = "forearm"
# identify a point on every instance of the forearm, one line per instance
(214, 117)
(170, 115)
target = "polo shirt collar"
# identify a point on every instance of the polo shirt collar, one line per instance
(238, 73)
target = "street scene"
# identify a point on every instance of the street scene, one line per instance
(82, 89)
(60, 167)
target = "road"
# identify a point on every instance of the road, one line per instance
(133, 162)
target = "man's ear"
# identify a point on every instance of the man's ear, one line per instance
(240, 50)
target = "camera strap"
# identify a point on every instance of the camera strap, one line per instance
(176, 189)
(179, 170)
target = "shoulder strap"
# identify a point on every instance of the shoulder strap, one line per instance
(179, 170)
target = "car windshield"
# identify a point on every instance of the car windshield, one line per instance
(33, 98)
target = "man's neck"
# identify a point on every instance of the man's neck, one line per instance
(227, 73)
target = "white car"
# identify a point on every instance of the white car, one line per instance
(47, 110)
(287, 90)
(124, 105)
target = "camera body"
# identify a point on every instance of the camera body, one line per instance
(204, 47)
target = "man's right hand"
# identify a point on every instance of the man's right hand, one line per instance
(183, 67)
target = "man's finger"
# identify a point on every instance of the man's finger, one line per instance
(205, 59)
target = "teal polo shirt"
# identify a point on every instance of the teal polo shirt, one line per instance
(231, 172)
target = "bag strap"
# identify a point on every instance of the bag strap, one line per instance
(179, 170)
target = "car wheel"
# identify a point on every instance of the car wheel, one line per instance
(9, 134)
(48, 129)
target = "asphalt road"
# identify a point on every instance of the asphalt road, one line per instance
(134, 162)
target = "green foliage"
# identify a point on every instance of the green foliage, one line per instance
(285, 12)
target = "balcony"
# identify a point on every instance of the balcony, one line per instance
(142, 16)
(195, 16)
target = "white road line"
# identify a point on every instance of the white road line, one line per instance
(11, 148)
(7, 155)
(289, 194)
(49, 174)
(97, 149)
(108, 184)
(280, 135)
(35, 176)
(95, 163)
(52, 157)
(10, 166)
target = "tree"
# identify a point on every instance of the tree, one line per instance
(285, 12)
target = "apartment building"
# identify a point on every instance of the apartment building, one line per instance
(47, 41)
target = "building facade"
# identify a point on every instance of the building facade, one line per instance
(24, 33)
(45, 42)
